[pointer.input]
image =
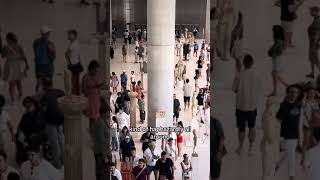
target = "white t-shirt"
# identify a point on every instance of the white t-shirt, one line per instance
(133, 78)
(44, 171)
(173, 135)
(74, 52)
(136, 161)
(247, 87)
(113, 130)
(126, 34)
(187, 90)
(149, 157)
(171, 151)
(123, 119)
(314, 159)
(117, 174)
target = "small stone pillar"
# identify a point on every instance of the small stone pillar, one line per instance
(72, 107)
(195, 166)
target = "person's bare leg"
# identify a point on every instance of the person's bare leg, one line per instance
(281, 80)
(241, 137)
(274, 84)
(290, 34)
(19, 88)
(12, 90)
(306, 143)
(252, 137)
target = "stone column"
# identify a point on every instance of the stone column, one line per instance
(133, 108)
(72, 107)
(207, 27)
(161, 42)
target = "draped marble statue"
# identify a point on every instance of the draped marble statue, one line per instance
(225, 16)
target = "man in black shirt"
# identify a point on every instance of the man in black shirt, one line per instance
(176, 108)
(165, 166)
(288, 15)
(126, 147)
(54, 119)
(146, 138)
(200, 99)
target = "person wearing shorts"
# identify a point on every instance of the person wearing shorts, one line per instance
(246, 87)
(187, 92)
(288, 17)
(176, 108)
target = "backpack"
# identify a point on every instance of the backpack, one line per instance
(123, 78)
(196, 46)
(42, 52)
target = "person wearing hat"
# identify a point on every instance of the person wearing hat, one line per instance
(45, 54)
(38, 168)
(170, 149)
(314, 40)
(151, 155)
(125, 147)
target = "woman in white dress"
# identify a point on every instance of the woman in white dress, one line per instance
(13, 72)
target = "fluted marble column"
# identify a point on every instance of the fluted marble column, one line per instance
(161, 42)
(72, 107)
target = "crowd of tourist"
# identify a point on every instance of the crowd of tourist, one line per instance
(290, 125)
(153, 158)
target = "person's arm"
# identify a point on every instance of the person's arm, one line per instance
(295, 6)
(24, 57)
(67, 55)
(183, 167)
(11, 130)
(281, 112)
(52, 50)
(172, 168)
(235, 85)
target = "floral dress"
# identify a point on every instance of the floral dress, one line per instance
(126, 170)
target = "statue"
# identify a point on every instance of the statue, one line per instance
(195, 141)
(133, 107)
(226, 19)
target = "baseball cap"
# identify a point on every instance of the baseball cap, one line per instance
(45, 29)
(127, 137)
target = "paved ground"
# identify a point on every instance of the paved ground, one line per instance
(259, 18)
(118, 66)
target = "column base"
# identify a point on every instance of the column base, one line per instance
(223, 73)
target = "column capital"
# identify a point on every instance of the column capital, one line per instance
(72, 105)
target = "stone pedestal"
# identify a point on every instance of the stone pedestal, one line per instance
(72, 107)
(223, 73)
(195, 166)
